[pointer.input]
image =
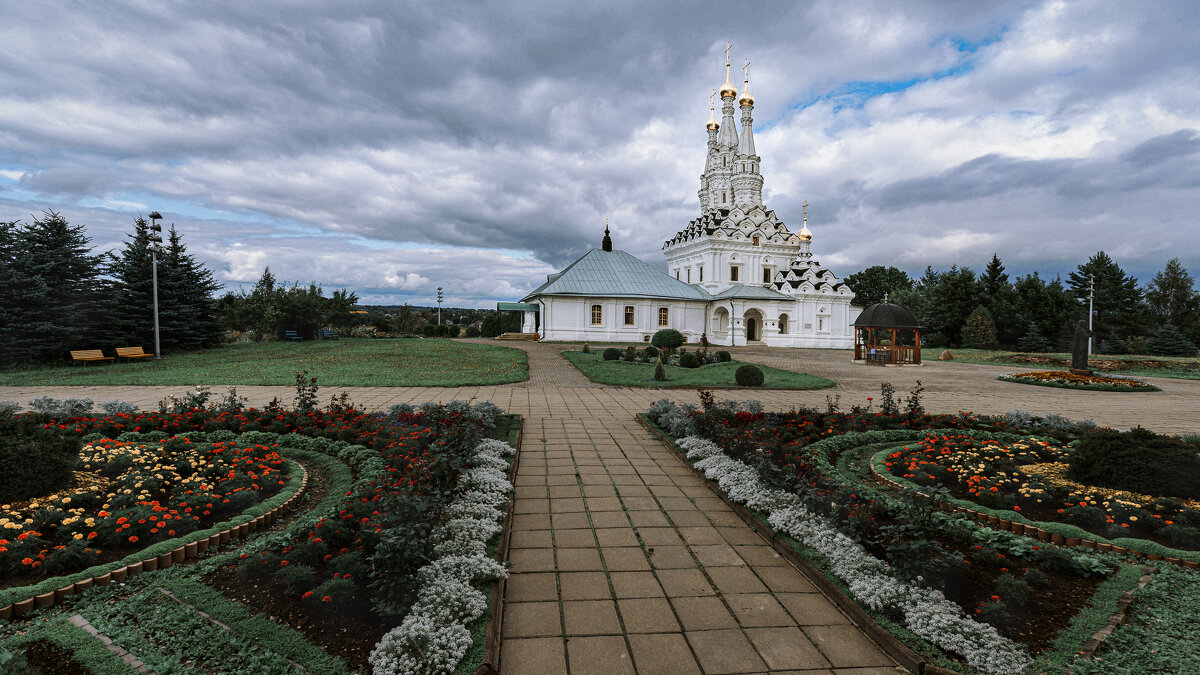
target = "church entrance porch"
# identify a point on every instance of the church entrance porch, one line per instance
(753, 321)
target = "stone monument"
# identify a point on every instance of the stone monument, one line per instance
(1079, 349)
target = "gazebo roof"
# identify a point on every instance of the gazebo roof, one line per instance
(886, 315)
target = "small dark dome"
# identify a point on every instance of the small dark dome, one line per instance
(886, 315)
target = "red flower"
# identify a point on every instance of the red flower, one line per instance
(326, 598)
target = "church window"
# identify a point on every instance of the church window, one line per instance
(628, 315)
(677, 275)
(663, 315)
(733, 273)
(756, 240)
(701, 274)
(783, 320)
(722, 197)
(820, 324)
(766, 275)
(597, 315)
(689, 275)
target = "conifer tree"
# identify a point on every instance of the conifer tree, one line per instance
(1174, 300)
(1168, 341)
(23, 299)
(1118, 302)
(979, 330)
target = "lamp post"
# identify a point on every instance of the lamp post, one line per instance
(1091, 299)
(155, 247)
(439, 305)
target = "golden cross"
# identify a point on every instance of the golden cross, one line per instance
(711, 100)
(746, 68)
(806, 209)
(728, 46)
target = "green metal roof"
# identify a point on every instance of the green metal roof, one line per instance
(516, 307)
(751, 293)
(616, 274)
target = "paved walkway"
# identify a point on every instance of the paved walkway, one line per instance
(623, 561)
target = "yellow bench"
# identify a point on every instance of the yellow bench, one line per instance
(86, 355)
(132, 353)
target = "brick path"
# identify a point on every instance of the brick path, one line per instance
(623, 561)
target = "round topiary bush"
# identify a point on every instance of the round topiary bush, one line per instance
(651, 351)
(472, 331)
(667, 338)
(748, 376)
(723, 356)
(688, 360)
(1138, 461)
(612, 354)
(441, 330)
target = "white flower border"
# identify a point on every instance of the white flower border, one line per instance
(926, 611)
(434, 636)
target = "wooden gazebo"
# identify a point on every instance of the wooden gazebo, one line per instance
(887, 334)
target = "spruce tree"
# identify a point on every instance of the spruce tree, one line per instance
(979, 330)
(24, 305)
(1033, 340)
(133, 289)
(191, 286)
(1168, 341)
(1118, 302)
(58, 256)
(1173, 299)
(998, 296)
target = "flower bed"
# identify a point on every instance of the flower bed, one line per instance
(361, 551)
(993, 599)
(1028, 479)
(129, 495)
(1068, 380)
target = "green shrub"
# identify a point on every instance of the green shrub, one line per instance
(1181, 536)
(660, 373)
(586, 348)
(650, 352)
(428, 330)
(472, 331)
(441, 330)
(34, 461)
(689, 360)
(297, 578)
(1138, 461)
(723, 356)
(612, 354)
(748, 376)
(453, 330)
(668, 339)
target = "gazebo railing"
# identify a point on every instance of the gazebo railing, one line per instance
(887, 353)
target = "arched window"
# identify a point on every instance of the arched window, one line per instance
(783, 321)
(663, 316)
(628, 315)
(597, 315)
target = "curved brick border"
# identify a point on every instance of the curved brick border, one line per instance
(491, 659)
(996, 522)
(1089, 648)
(181, 553)
(879, 635)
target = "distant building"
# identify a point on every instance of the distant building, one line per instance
(737, 274)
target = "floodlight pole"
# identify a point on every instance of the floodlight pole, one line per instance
(1091, 298)
(155, 241)
(439, 305)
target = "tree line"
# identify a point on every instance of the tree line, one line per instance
(57, 294)
(959, 308)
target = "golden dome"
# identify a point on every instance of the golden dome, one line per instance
(747, 98)
(727, 90)
(711, 125)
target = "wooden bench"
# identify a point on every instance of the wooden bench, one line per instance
(291, 335)
(326, 334)
(86, 355)
(132, 353)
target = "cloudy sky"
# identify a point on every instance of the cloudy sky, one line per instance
(395, 147)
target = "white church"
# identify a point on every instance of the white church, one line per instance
(737, 275)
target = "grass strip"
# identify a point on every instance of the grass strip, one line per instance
(85, 649)
(627, 374)
(336, 363)
(1091, 618)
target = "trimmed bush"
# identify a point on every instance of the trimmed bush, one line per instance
(668, 339)
(1138, 461)
(453, 330)
(748, 376)
(428, 330)
(689, 360)
(472, 331)
(612, 354)
(441, 330)
(651, 352)
(723, 356)
(660, 373)
(34, 461)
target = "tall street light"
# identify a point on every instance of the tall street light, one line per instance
(155, 248)
(439, 305)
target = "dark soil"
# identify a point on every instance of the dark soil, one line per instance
(350, 633)
(1101, 364)
(48, 658)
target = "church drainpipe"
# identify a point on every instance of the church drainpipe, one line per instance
(732, 335)
(545, 318)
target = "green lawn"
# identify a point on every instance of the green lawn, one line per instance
(1122, 364)
(625, 374)
(337, 363)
